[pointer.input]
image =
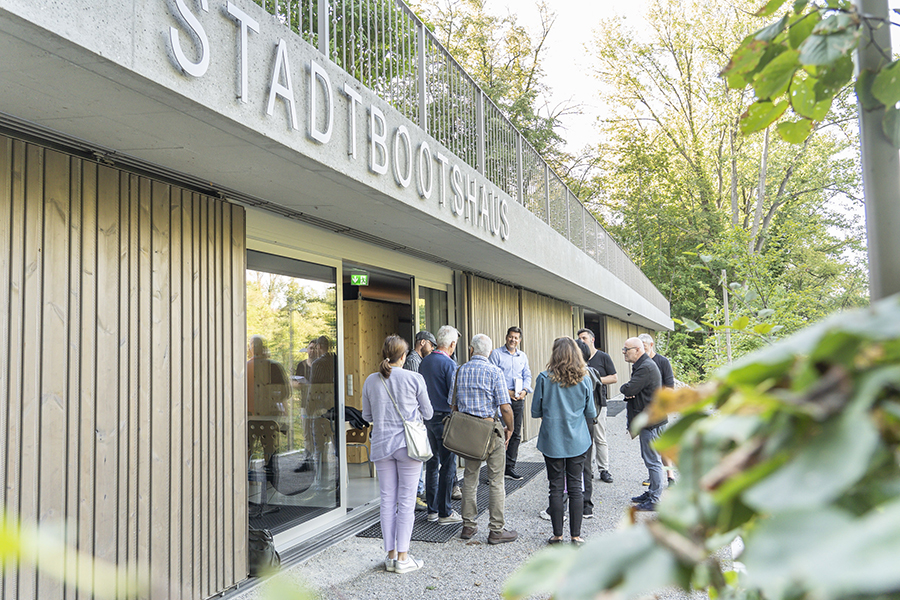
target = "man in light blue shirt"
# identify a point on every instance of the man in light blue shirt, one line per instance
(517, 376)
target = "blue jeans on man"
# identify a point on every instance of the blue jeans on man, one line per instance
(440, 469)
(652, 460)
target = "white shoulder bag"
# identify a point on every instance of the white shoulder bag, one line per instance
(417, 446)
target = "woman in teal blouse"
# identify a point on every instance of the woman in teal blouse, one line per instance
(563, 400)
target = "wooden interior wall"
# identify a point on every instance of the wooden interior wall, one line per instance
(366, 324)
(616, 333)
(544, 319)
(122, 353)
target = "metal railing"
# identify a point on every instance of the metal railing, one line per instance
(387, 48)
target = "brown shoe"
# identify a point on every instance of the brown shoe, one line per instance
(468, 532)
(502, 536)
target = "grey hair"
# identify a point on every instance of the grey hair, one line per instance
(482, 344)
(446, 335)
(646, 338)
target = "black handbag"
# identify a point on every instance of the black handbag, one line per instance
(262, 558)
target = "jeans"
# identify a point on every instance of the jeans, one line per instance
(652, 460)
(588, 479)
(397, 477)
(512, 449)
(440, 469)
(566, 472)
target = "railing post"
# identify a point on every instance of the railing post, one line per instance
(547, 194)
(568, 217)
(520, 187)
(323, 28)
(584, 221)
(479, 129)
(420, 49)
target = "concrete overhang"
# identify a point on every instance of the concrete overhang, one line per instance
(104, 72)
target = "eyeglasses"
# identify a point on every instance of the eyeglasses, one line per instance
(626, 349)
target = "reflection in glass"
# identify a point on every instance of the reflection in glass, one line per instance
(292, 449)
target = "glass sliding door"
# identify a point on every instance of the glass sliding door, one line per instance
(292, 391)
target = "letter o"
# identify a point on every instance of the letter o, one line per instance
(425, 164)
(402, 179)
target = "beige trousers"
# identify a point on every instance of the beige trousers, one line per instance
(496, 465)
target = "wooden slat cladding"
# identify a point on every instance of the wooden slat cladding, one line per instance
(122, 354)
(543, 320)
(493, 307)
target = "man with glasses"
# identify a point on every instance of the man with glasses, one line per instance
(638, 392)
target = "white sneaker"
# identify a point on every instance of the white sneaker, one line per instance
(432, 517)
(546, 516)
(390, 564)
(410, 564)
(450, 519)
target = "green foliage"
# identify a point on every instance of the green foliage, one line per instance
(677, 181)
(810, 40)
(794, 449)
(505, 59)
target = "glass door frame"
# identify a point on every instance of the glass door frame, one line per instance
(296, 534)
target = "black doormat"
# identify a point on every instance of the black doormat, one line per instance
(431, 531)
(281, 517)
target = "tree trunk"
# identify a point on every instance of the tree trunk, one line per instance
(757, 217)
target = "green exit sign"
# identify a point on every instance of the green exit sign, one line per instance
(359, 279)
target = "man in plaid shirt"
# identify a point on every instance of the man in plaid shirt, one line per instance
(481, 391)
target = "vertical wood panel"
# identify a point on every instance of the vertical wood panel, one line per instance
(160, 352)
(176, 443)
(107, 353)
(31, 352)
(144, 326)
(12, 364)
(86, 367)
(616, 334)
(122, 353)
(239, 389)
(73, 374)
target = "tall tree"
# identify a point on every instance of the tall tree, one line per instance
(506, 60)
(677, 182)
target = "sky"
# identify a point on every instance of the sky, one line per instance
(567, 63)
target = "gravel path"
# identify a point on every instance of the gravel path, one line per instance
(354, 569)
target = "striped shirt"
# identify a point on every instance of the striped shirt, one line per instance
(480, 388)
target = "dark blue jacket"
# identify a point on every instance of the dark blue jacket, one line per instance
(438, 370)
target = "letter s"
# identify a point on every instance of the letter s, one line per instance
(504, 219)
(197, 69)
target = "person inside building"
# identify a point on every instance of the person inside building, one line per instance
(638, 392)
(603, 364)
(425, 344)
(517, 375)
(268, 398)
(388, 397)
(668, 381)
(564, 401)
(438, 369)
(481, 391)
(320, 411)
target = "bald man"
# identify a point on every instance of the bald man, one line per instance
(638, 392)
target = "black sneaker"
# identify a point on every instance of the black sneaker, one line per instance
(589, 515)
(646, 506)
(606, 477)
(645, 497)
(514, 476)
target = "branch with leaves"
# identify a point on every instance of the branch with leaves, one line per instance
(797, 64)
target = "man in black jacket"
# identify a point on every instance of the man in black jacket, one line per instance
(638, 392)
